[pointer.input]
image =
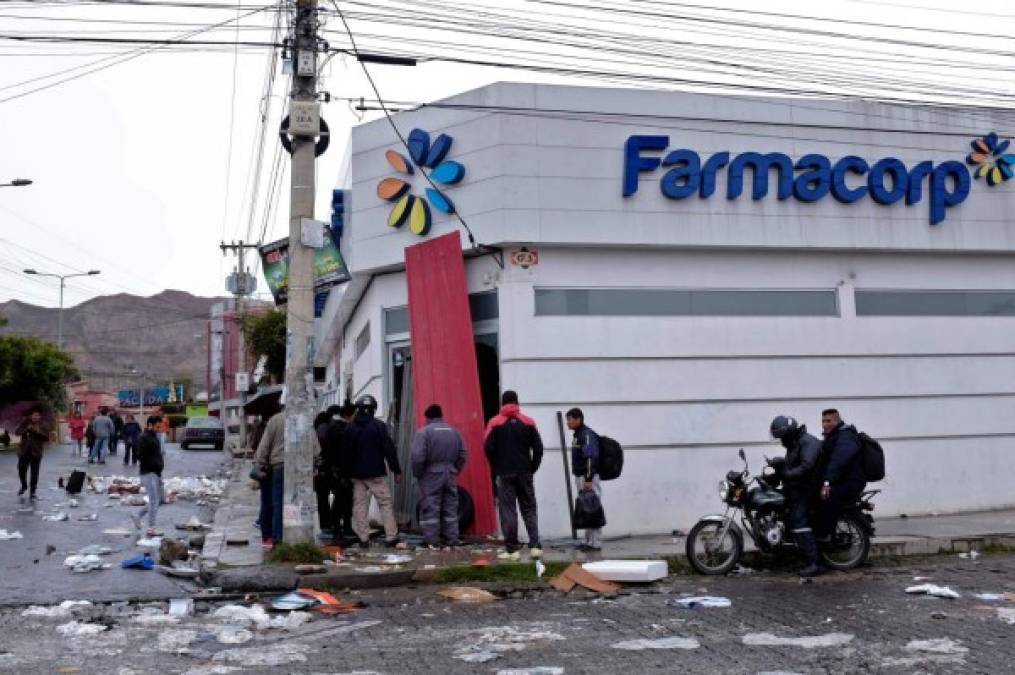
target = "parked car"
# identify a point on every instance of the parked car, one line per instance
(203, 431)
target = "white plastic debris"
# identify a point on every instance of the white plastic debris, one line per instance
(194, 488)
(84, 563)
(970, 555)
(540, 569)
(807, 642)
(484, 656)
(79, 629)
(89, 518)
(154, 617)
(290, 621)
(95, 549)
(630, 571)
(181, 607)
(538, 670)
(936, 591)
(1007, 615)
(118, 532)
(243, 616)
(150, 542)
(231, 635)
(395, 559)
(701, 601)
(661, 643)
(990, 597)
(174, 640)
(14, 534)
(63, 610)
(56, 517)
(937, 646)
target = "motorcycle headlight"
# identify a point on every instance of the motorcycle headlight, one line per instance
(724, 490)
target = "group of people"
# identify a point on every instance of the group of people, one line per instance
(821, 478)
(102, 433)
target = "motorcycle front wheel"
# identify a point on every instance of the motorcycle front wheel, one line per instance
(850, 544)
(707, 554)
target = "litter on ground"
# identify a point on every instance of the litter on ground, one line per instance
(395, 559)
(576, 575)
(138, 562)
(149, 542)
(231, 635)
(701, 601)
(118, 532)
(990, 597)
(95, 549)
(91, 517)
(58, 517)
(181, 607)
(661, 643)
(808, 642)
(936, 591)
(14, 534)
(294, 600)
(79, 629)
(243, 616)
(484, 656)
(538, 670)
(970, 555)
(63, 610)
(1007, 615)
(937, 646)
(630, 571)
(467, 594)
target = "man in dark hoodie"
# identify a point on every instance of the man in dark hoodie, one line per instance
(800, 475)
(340, 461)
(370, 447)
(843, 476)
(131, 435)
(515, 451)
(585, 469)
(149, 454)
(33, 437)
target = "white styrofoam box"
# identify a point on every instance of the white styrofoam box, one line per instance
(627, 570)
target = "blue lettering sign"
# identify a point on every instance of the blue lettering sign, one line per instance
(887, 181)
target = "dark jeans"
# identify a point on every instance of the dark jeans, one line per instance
(277, 499)
(514, 492)
(113, 441)
(842, 498)
(129, 451)
(264, 517)
(324, 488)
(24, 464)
(800, 524)
(341, 509)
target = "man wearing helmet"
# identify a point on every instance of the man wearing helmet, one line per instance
(369, 447)
(800, 476)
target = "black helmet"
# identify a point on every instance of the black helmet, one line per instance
(367, 404)
(783, 427)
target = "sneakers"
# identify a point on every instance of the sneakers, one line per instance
(32, 496)
(392, 543)
(811, 570)
(22, 491)
(509, 555)
(535, 552)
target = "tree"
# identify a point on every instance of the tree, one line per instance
(265, 336)
(33, 370)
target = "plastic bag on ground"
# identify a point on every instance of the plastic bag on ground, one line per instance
(936, 591)
(243, 616)
(13, 534)
(701, 601)
(64, 609)
(79, 629)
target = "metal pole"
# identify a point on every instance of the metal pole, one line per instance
(140, 397)
(242, 365)
(567, 473)
(59, 318)
(299, 503)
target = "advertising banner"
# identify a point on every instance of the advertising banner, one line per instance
(153, 396)
(329, 268)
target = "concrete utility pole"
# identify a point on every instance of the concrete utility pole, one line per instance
(63, 282)
(304, 124)
(240, 283)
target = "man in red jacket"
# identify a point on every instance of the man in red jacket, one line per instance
(515, 450)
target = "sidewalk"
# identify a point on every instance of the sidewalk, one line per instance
(234, 522)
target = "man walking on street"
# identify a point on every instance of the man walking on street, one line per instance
(438, 455)
(103, 429)
(131, 434)
(114, 440)
(515, 451)
(33, 437)
(149, 453)
(843, 476)
(585, 469)
(371, 447)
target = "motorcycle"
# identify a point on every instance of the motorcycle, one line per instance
(716, 543)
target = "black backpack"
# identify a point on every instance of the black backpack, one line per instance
(873, 457)
(611, 458)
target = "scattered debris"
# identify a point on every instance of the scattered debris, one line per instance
(936, 591)
(540, 569)
(310, 569)
(95, 549)
(991, 597)
(57, 517)
(970, 555)
(808, 642)
(576, 575)
(335, 553)
(395, 559)
(181, 607)
(642, 571)
(467, 594)
(329, 604)
(937, 646)
(742, 571)
(1006, 614)
(290, 621)
(538, 670)
(231, 635)
(488, 643)
(294, 600)
(172, 549)
(118, 532)
(243, 616)
(179, 569)
(484, 656)
(175, 640)
(152, 616)
(85, 563)
(193, 525)
(138, 562)
(701, 601)
(79, 629)
(661, 643)
(190, 488)
(149, 542)
(279, 654)
(63, 610)
(89, 518)
(14, 534)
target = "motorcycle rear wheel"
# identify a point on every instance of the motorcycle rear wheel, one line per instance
(710, 556)
(850, 545)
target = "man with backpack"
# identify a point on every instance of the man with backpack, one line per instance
(843, 474)
(585, 469)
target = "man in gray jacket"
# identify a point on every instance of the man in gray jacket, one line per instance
(438, 455)
(103, 428)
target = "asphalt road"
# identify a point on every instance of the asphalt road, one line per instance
(842, 623)
(28, 573)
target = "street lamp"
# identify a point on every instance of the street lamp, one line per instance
(63, 278)
(135, 372)
(17, 182)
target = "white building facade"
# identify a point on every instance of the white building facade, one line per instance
(682, 316)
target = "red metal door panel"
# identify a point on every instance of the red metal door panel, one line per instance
(444, 358)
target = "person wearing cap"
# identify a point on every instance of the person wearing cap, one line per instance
(438, 455)
(368, 444)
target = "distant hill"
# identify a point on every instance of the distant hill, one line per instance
(164, 335)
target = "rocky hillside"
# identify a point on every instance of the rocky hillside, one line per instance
(164, 335)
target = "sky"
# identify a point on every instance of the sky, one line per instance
(142, 167)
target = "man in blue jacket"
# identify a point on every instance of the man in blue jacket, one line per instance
(843, 476)
(585, 469)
